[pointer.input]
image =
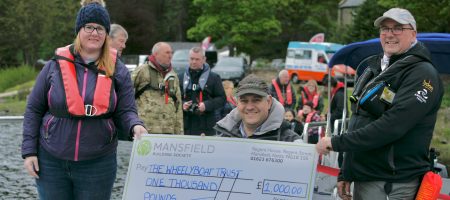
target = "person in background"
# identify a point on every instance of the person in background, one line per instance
(387, 143)
(296, 126)
(158, 95)
(310, 92)
(78, 101)
(202, 93)
(307, 115)
(337, 106)
(118, 37)
(283, 91)
(230, 104)
(321, 59)
(257, 115)
(337, 102)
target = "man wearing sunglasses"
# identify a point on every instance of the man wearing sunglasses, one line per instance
(387, 143)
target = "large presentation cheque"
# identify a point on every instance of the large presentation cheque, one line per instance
(169, 167)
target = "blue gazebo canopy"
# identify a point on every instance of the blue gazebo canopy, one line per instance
(437, 43)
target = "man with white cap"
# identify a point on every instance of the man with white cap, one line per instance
(387, 143)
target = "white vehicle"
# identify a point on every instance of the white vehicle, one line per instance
(133, 61)
(309, 60)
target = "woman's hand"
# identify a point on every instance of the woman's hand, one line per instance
(32, 166)
(138, 131)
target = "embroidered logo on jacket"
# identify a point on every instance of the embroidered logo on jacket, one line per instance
(427, 85)
(421, 95)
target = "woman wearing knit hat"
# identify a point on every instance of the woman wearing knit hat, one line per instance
(81, 98)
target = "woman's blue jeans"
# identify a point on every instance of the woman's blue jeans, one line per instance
(73, 180)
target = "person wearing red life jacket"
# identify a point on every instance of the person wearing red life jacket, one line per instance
(310, 92)
(296, 126)
(336, 106)
(79, 101)
(337, 100)
(231, 102)
(307, 115)
(283, 91)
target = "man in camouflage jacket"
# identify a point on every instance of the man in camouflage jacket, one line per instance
(157, 92)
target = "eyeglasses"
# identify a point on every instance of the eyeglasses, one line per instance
(90, 29)
(396, 30)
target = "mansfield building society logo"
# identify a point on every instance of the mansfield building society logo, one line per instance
(173, 148)
(144, 147)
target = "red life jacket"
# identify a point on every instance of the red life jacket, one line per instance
(280, 95)
(308, 117)
(339, 85)
(101, 105)
(231, 100)
(308, 96)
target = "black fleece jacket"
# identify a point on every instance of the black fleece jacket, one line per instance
(394, 147)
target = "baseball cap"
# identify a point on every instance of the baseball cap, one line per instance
(252, 84)
(399, 15)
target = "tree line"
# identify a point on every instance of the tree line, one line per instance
(33, 29)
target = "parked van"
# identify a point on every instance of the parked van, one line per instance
(309, 60)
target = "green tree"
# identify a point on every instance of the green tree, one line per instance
(320, 17)
(240, 25)
(6, 53)
(301, 19)
(140, 18)
(151, 21)
(21, 30)
(363, 28)
(58, 27)
(430, 15)
(178, 17)
(31, 28)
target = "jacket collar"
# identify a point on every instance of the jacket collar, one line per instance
(273, 122)
(187, 84)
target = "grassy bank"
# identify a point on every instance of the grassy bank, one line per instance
(15, 105)
(14, 76)
(441, 137)
(12, 107)
(16, 79)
